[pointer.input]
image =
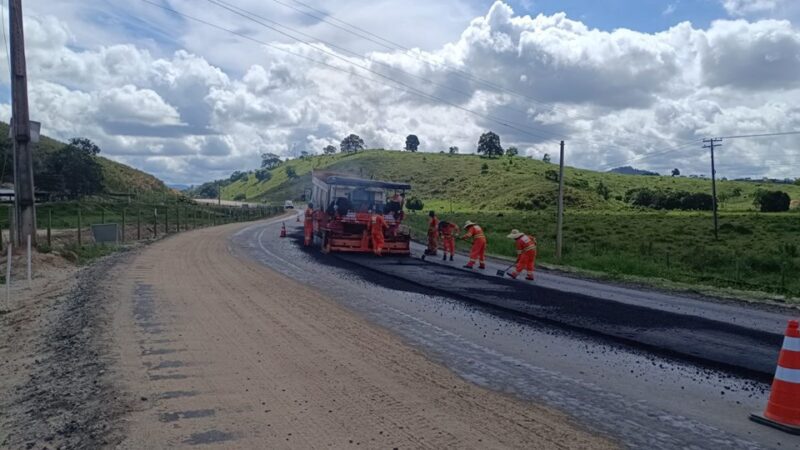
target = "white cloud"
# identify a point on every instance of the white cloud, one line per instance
(203, 103)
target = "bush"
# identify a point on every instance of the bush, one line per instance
(240, 197)
(668, 200)
(551, 175)
(414, 204)
(290, 172)
(603, 190)
(772, 201)
(484, 169)
(263, 175)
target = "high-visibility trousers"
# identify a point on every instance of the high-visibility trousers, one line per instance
(449, 244)
(478, 252)
(308, 230)
(377, 243)
(527, 262)
(433, 241)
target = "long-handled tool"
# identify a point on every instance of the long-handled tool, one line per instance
(502, 273)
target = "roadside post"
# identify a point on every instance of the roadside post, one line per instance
(155, 223)
(8, 272)
(80, 240)
(166, 221)
(560, 220)
(50, 227)
(28, 238)
(177, 219)
(123, 225)
(138, 224)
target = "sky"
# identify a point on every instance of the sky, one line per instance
(623, 82)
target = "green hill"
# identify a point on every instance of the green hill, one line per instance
(506, 184)
(603, 231)
(117, 178)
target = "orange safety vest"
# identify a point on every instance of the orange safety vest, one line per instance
(525, 243)
(475, 232)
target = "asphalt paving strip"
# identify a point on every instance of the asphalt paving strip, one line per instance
(743, 350)
(643, 398)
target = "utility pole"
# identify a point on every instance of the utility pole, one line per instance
(560, 225)
(219, 194)
(711, 144)
(24, 200)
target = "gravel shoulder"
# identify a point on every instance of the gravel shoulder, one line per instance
(227, 353)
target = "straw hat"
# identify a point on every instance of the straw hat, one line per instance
(515, 234)
(468, 224)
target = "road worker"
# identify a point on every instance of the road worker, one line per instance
(377, 226)
(478, 252)
(308, 225)
(433, 234)
(448, 232)
(526, 253)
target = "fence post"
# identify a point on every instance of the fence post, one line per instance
(50, 228)
(123, 224)
(80, 225)
(177, 219)
(138, 224)
(166, 221)
(155, 223)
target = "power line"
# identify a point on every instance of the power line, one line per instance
(250, 15)
(659, 152)
(405, 88)
(779, 133)
(369, 36)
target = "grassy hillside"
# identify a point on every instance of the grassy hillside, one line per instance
(441, 179)
(117, 178)
(754, 252)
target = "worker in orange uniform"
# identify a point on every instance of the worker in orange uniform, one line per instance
(526, 254)
(377, 225)
(448, 232)
(478, 252)
(433, 234)
(308, 225)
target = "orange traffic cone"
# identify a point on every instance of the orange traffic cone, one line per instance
(283, 230)
(783, 407)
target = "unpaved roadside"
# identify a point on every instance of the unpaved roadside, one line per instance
(222, 352)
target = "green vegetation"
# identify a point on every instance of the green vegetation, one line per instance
(604, 230)
(75, 168)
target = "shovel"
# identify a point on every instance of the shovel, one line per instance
(502, 273)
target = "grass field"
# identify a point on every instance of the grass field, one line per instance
(754, 252)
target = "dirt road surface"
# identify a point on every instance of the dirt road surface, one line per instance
(219, 351)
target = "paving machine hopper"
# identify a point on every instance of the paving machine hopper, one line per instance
(342, 218)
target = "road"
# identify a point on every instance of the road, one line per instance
(215, 349)
(641, 398)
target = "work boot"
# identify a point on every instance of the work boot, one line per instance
(451, 257)
(467, 266)
(513, 275)
(529, 278)
(482, 266)
(444, 257)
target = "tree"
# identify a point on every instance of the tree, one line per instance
(546, 158)
(270, 161)
(797, 181)
(453, 150)
(512, 152)
(304, 154)
(237, 175)
(290, 172)
(329, 150)
(603, 190)
(352, 144)
(414, 204)
(772, 201)
(412, 143)
(73, 170)
(676, 172)
(489, 145)
(263, 175)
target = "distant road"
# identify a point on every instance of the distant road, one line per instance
(213, 201)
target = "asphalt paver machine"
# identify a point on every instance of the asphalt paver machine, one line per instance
(341, 213)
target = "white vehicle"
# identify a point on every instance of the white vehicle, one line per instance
(288, 204)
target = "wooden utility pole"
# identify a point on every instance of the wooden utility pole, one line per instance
(24, 200)
(711, 144)
(560, 223)
(219, 194)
